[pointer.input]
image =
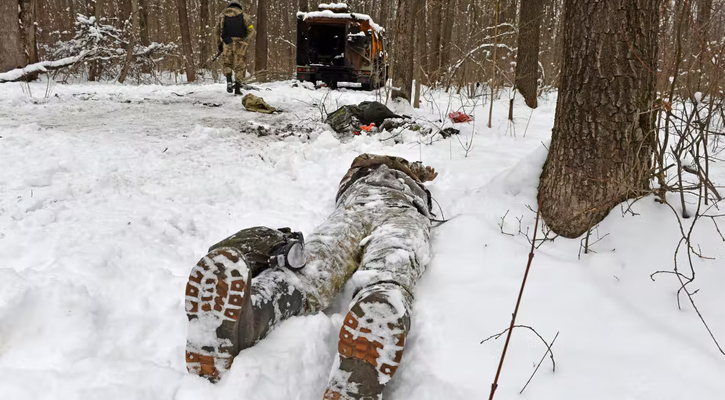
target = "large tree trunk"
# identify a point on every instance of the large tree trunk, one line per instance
(11, 42)
(204, 32)
(527, 57)
(131, 42)
(28, 13)
(446, 43)
(434, 57)
(303, 5)
(603, 137)
(186, 41)
(404, 47)
(260, 47)
(143, 8)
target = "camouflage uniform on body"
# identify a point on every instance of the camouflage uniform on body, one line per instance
(378, 235)
(234, 47)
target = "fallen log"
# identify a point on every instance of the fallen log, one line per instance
(20, 74)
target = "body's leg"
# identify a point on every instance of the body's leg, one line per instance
(374, 332)
(228, 311)
(333, 254)
(240, 48)
(228, 61)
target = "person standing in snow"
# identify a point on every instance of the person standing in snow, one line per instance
(379, 232)
(233, 30)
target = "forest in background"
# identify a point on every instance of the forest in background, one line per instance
(455, 41)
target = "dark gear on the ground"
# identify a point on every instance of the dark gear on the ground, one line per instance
(379, 233)
(264, 248)
(348, 119)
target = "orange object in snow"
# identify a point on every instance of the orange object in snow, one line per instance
(367, 128)
(459, 117)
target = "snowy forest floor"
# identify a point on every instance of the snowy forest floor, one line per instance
(109, 195)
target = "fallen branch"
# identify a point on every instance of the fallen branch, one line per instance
(548, 351)
(20, 74)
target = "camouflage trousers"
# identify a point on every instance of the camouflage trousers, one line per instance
(235, 59)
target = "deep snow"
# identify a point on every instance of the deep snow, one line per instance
(109, 195)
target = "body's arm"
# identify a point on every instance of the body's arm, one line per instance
(250, 27)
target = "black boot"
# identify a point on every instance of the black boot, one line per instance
(229, 83)
(237, 88)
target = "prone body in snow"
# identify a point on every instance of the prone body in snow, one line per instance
(377, 238)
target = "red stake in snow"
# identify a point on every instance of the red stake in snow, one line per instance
(518, 303)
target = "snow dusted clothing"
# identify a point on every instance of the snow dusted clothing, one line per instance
(378, 235)
(232, 31)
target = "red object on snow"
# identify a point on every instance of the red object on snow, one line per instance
(459, 117)
(367, 128)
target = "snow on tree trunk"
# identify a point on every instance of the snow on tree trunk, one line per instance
(527, 57)
(11, 45)
(260, 47)
(29, 9)
(204, 32)
(603, 136)
(187, 52)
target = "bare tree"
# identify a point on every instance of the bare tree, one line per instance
(29, 9)
(261, 49)
(204, 31)
(404, 47)
(434, 59)
(447, 43)
(11, 45)
(603, 138)
(527, 57)
(131, 42)
(419, 48)
(186, 41)
(143, 23)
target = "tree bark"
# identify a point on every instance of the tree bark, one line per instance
(204, 32)
(11, 44)
(186, 41)
(29, 10)
(143, 23)
(260, 47)
(603, 136)
(434, 57)
(404, 47)
(131, 41)
(527, 57)
(446, 42)
(303, 5)
(420, 48)
(93, 10)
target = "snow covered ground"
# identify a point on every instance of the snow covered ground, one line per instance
(109, 194)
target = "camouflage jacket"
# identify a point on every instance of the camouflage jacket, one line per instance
(232, 11)
(365, 164)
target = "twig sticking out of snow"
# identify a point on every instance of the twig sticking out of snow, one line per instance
(518, 304)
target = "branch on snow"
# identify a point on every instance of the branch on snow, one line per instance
(19, 74)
